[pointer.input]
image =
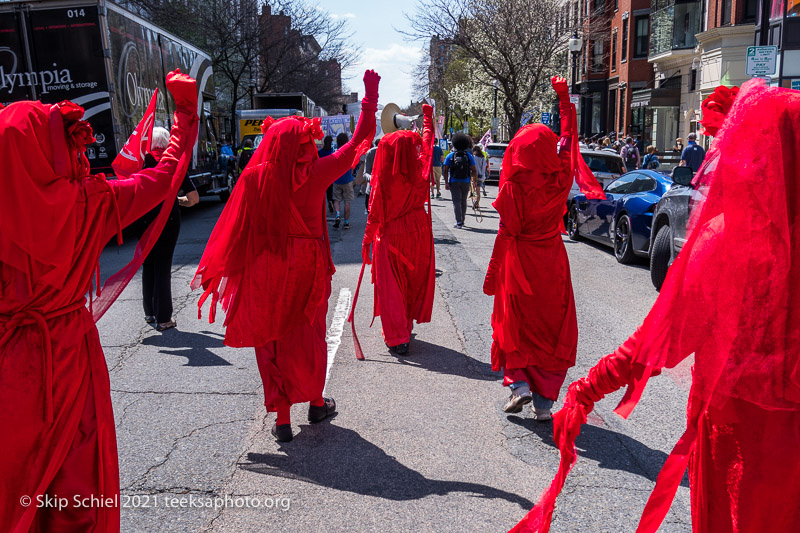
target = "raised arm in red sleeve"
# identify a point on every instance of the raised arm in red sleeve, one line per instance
(330, 168)
(426, 154)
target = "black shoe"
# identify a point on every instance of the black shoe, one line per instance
(346, 225)
(336, 222)
(150, 319)
(319, 413)
(282, 433)
(400, 349)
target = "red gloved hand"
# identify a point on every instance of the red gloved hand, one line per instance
(184, 91)
(560, 86)
(371, 81)
(365, 252)
(489, 283)
(427, 110)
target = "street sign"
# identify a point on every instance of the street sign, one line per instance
(575, 99)
(451, 131)
(761, 60)
(796, 85)
(526, 116)
(466, 127)
(495, 124)
(545, 118)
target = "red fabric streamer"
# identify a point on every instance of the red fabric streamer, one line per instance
(730, 299)
(131, 158)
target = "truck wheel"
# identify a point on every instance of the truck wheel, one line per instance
(623, 247)
(229, 183)
(660, 256)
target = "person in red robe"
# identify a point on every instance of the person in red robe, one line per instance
(535, 327)
(268, 261)
(731, 299)
(55, 219)
(400, 234)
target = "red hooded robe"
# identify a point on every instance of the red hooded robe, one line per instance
(399, 230)
(731, 298)
(55, 219)
(534, 321)
(268, 261)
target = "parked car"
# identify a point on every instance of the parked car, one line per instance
(604, 164)
(624, 219)
(495, 151)
(671, 216)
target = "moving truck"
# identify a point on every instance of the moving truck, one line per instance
(110, 61)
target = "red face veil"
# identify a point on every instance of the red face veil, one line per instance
(41, 147)
(256, 216)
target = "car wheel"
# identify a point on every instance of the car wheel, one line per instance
(660, 256)
(572, 223)
(623, 249)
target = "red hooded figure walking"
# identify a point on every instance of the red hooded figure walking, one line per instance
(55, 219)
(399, 231)
(534, 321)
(731, 299)
(268, 261)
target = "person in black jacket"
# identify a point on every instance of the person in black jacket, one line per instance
(157, 267)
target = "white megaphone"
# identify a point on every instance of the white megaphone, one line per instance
(393, 119)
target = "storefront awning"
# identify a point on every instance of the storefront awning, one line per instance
(656, 98)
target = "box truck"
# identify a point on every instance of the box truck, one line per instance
(110, 61)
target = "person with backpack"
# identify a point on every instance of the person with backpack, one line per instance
(651, 161)
(459, 170)
(630, 155)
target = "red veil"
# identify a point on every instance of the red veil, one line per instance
(731, 297)
(256, 221)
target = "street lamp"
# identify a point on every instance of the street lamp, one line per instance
(252, 93)
(496, 85)
(575, 45)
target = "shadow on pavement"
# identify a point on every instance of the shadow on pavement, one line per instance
(479, 230)
(434, 358)
(193, 346)
(339, 458)
(611, 450)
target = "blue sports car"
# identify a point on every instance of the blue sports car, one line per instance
(623, 220)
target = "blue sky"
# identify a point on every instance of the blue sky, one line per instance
(383, 49)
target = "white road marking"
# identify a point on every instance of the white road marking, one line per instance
(334, 336)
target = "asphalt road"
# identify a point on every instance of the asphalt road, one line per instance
(420, 443)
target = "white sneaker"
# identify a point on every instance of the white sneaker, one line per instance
(517, 400)
(541, 415)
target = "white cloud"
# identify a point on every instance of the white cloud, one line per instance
(395, 64)
(336, 16)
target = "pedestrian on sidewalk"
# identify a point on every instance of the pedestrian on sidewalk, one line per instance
(534, 319)
(479, 185)
(157, 267)
(400, 235)
(630, 155)
(436, 169)
(268, 260)
(343, 191)
(650, 160)
(459, 170)
(693, 155)
(730, 301)
(55, 219)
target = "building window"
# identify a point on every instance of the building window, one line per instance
(642, 35)
(777, 9)
(621, 125)
(750, 11)
(616, 5)
(692, 80)
(597, 57)
(792, 8)
(625, 40)
(726, 12)
(614, 50)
